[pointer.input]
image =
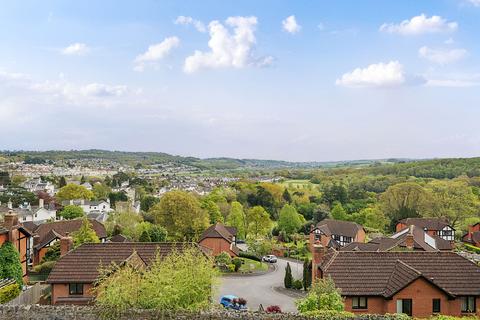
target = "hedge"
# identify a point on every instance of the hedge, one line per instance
(44, 268)
(453, 318)
(251, 256)
(10, 266)
(9, 292)
(471, 248)
(329, 315)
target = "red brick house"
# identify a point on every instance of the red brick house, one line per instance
(418, 283)
(411, 238)
(75, 272)
(473, 235)
(336, 233)
(47, 234)
(433, 226)
(19, 236)
(219, 238)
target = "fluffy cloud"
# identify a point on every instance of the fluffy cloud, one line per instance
(420, 25)
(199, 25)
(103, 90)
(228, 50)
(76, 49)
(442, 56)
(156, 52)
(476, 3)
(375, 75)
(290, 25)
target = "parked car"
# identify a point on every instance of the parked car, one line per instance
(233, 303)
(270, 258)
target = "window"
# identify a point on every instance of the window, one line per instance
(436, 305)
(468, 304)
(342, 240)
(446, 234)
(75, 288)
(359, 303)
(404, 306)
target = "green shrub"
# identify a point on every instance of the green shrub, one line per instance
(323, 295)
(441, 317)
(231, 267)
(330, 315)
(297, 284)
(44, 268)
(223, 259)
(387, 316)
(250, 256)
(10, 266)
(9, 292)
(237, 263)
(473, 249)
(288, 279)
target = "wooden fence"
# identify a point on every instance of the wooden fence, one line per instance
(31, 295)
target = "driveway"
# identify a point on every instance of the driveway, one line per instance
(260, 289)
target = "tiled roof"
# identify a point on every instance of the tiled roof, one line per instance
(381, 273)
(83, 264)
(62, 227)
(337, 227)
(218, 230)
(426, 223)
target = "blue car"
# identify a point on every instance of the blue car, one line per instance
(231, 302)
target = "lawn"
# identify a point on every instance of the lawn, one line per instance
(252, 266)
(299, 184)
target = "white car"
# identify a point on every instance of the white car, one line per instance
(270, 258)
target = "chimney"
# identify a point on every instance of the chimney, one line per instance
(10, 219)
(318, 253)
(409, 242)
(41, 203)
(66, 244)
(10, 204)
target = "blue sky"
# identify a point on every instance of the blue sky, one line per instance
(292, 80)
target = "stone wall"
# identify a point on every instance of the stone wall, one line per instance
(46, 312)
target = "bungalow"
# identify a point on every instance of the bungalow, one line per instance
(47, 234)
(473, 235)
(417, 283)
(72, 278)
(19, 236)
(411, 238)
(336, 233)
(433, 226)
(219, 238)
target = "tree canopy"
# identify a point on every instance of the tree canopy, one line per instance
(74, 191)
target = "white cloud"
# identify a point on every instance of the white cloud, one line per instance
(375, 75)
(156, 52)
(227, 49)
(420, 25)
(290, 25)
(183, 20)
(77, 49)
(476, 3)
(103, 90)
(442, 56)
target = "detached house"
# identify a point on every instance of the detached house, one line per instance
(47, 234)
(19, 236)
(419, 284)
(75, 272)
(219, 238)
(336, 233)
(433, 226)
(90, 207)
(473, 235)
(411, 238)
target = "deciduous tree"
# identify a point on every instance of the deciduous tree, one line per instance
(74, 191)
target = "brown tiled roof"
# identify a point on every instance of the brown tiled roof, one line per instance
(383, 273)
(337, 227)
(426, 223)
(44, 231)
(82, 264)
(218, 230)
(119, 238)
(475, 237)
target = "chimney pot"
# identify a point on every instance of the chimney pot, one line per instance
(10, 219)
(409, 241)
(41, 203)
(66, 244)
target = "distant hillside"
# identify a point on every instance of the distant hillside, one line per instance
(151, 158)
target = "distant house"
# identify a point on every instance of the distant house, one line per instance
(473, 235)
(26, 212)
(35, 185)
(45, 235)
(19, 236)
(100, 206)
(219, 238)
(433, 226)
(74, 273)
(411, 238)
(87, 186)
(336, 233)
(417, 283)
